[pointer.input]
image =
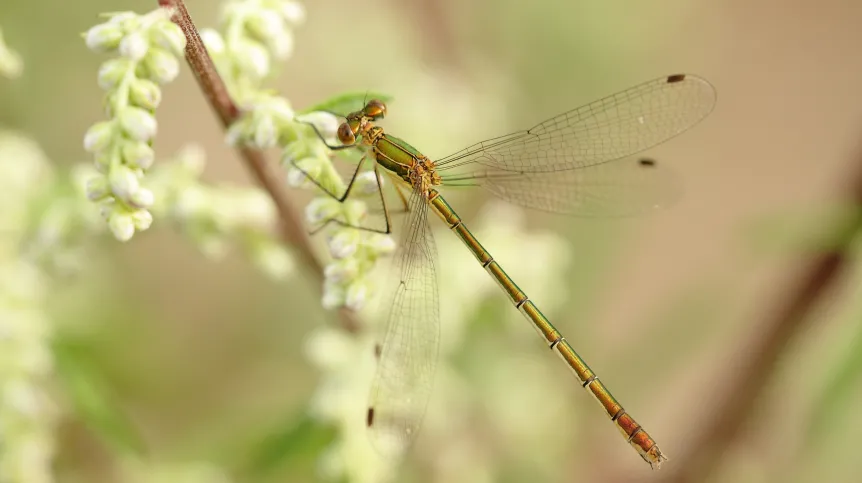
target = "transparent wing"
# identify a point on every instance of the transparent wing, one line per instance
(608, 129)
(621, 188)
(405, 373)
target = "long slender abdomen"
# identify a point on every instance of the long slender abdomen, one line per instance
(634, 433)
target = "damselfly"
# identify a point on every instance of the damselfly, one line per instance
(577, 163)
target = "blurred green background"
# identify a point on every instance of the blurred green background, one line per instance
(202, 361)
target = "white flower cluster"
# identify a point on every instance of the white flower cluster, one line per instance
(268, 121)
(11, 64)
(355, 252)
(256, 33)
(27, 415)
(150, 47)
(214, 217)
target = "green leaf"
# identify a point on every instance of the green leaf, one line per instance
(92, 399)
(344, 104)
(303, 437)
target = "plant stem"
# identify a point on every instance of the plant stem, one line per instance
(291, 228)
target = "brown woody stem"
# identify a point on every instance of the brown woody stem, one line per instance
(291, 228)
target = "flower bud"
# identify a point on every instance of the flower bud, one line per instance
(113, 71)
(97, 188)
(343, 242)
(213, 41)
(103, 161)
(354, 211)
(237, 133)
(126, 21)
(138, 154)
(265, 24)
(145, 93)
(356, 295)
(366, 183)
(104, 37)
(333, 295)
(134, 46)
(139, 124)
(321, 209)
(170, 37)
(142, 219)
(161, 66)
(124, 183)
(296, 178)
(293, 12)
(300, 171)
(342, 270)
(142, 198)
(381, 244)
(278, 106)
(295, 151)
(107, 207)
(99, 136)
(265, 132)
(281, 45)
(326, 123)
(252, 59)
(122, 226)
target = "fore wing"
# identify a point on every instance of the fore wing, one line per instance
(405, 373)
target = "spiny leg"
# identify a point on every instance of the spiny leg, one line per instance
(399, 190)
(332, 195)
(386, 215)
(346, 193)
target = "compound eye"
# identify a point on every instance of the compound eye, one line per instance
(375, 108)
(346, 134)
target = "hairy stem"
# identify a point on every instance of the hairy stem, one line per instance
(291, 228)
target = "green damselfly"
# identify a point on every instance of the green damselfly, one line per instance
(577, 163)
